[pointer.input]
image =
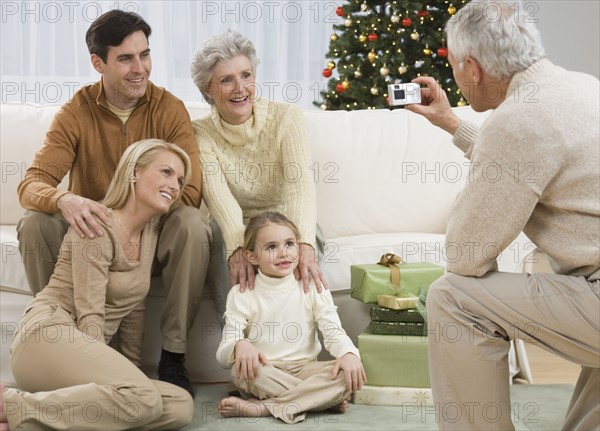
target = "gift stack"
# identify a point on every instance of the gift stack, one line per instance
(393, 348)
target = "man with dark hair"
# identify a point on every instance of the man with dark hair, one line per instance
(86, 140)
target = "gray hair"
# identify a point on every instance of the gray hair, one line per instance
(221, 47)
(500, 35)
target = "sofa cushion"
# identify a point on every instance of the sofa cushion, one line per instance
(384, 171)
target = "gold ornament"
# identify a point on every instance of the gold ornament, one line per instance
(451, 9)
(427, 51)
(357, 74)
(371, 55)
(461, 102)
(346, 84)
(331, 65)
(348, 22)
(402, 69)
(362, 38)
(334, 37)
(374, 91)
(395, 18)
(415, 35)
(364, 7)
(384, 71)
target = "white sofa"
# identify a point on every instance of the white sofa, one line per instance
(386, 182)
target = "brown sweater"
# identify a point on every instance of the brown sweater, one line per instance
(94, 281)
(86, 141)
(535, 169)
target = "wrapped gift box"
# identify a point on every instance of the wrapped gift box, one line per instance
(369, 280)
(398, 328)
(394, 360)
(382, 314)
(390, 396)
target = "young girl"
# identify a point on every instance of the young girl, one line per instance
(69, 378)
(270, 335)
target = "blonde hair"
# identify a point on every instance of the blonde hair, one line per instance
(256, 223)
(139, 155)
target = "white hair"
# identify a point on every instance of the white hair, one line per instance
(221, 47)
(500, 35)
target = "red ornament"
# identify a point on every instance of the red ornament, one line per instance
(339, 11)
(373, 37)
(442, 52)
(327, 73)
(407, 22)
(423, 13)
(340, 88)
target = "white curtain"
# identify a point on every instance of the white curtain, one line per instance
(44, 58)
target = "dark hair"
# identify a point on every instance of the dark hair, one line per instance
(110, 28)
(257, 222)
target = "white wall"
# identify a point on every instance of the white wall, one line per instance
(571, 32)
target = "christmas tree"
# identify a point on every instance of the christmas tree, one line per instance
(382, 42)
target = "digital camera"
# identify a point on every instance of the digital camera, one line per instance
(404, 94)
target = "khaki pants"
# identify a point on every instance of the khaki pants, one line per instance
(471, 321)
(289, 389)
(69, 381)
(182, 256)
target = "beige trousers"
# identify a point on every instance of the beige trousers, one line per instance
(69, 381)
(182, 256)
(290, 389)
(471, 321)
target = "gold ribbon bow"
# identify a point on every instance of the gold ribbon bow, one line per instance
(392, 260)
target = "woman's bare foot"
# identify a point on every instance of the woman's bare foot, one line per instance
(341, 407)
(3, 421)
(236, 407)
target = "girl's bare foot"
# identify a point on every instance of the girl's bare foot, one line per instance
(236, 407)
(341, 407)
(3, 421)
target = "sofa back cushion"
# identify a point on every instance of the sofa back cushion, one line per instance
(21, 135)
(382, 171)
(375, 171)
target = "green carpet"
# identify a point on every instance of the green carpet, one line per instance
(534, 407)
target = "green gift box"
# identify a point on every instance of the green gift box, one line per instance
(394, 360)
(396, 279)
(398, 328)
(382, 314)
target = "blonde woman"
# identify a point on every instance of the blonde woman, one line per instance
(60, 357)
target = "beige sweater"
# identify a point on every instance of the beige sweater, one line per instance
(95, 282)
(260, 165)
(535, 168)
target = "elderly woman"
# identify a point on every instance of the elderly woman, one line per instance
(255, 158)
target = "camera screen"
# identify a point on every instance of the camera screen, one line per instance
(399, 95)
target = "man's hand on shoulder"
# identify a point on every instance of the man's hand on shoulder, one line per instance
(78, 211)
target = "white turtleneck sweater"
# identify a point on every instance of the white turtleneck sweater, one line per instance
(260, 165)
(281, 321)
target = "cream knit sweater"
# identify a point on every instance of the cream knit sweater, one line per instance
(260, 165)
(535, 168)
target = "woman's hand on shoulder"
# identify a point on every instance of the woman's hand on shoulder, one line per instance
(248, 360)
(241, 270)
(308, 267)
